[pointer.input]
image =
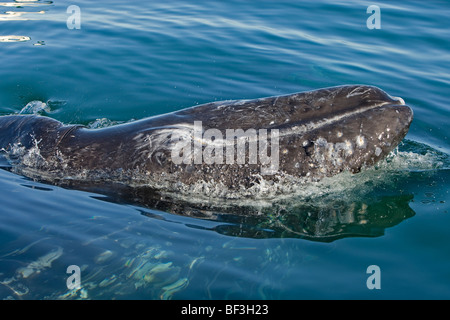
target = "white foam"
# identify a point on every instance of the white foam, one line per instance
(35, 107)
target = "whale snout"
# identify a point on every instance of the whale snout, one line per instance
(370, 136)
(385, 128)
(395, 118)
(350, 141)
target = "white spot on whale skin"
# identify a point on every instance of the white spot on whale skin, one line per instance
(321, 142)
(348, 148)
(361, 142)
(377, 151)
(339, 134)
(342, 149)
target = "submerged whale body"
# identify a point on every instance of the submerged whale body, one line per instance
(226, 149)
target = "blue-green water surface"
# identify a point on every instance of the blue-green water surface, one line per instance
(132, 60)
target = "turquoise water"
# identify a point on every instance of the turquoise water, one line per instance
(129, 61)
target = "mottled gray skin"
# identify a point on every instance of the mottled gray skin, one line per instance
(322, 133)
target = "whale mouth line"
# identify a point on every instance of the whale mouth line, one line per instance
(303, 127)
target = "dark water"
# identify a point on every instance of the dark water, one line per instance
(130, 61)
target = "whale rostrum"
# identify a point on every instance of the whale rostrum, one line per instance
(216, 148)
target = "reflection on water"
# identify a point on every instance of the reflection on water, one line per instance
(325, 218)
(157, 255)
(125, 269)
(128, 251)
(29, 3)
(20, 15)
(14, 38)
(322, 220)
(164, 256)
(9, 15)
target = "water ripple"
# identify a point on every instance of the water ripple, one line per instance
(14, 38)
(20, 15)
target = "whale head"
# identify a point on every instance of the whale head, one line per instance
(340, 129)
(321, 132)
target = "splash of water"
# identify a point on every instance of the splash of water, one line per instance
(35, 107)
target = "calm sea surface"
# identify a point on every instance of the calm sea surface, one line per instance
(132, 60)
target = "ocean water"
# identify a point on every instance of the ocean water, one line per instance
(133, 60)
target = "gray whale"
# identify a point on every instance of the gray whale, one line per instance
(318, 134)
